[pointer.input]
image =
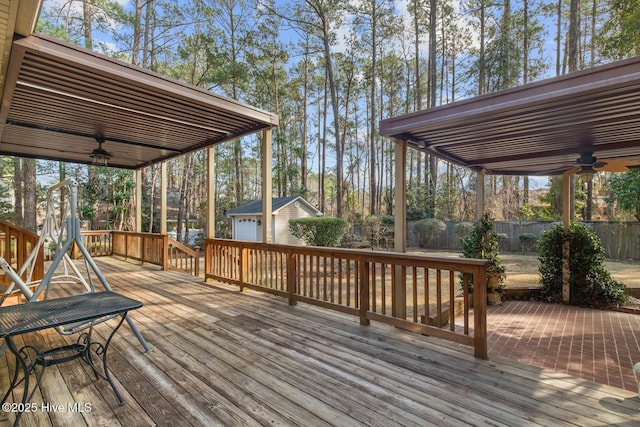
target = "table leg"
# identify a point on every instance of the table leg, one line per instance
(101, 350)
(21, 364)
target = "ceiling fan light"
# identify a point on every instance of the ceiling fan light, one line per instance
(586, 174)
(100, 156)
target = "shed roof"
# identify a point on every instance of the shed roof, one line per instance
(254, 207)
(536, 129)
(58, 98)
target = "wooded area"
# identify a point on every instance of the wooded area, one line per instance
(331, 69)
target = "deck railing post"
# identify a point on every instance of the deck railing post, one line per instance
(480, 312)
(165, 252)
(208, 258)
(244, 265)
(399, 290)
(364, 290)
(292, 276)
(142, 246)
(197, 262)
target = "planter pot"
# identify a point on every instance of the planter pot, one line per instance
(493, 284)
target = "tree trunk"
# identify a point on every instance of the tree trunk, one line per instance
(137, 34)
(184, 194)
(481, 61)
(303, 154)
(433, 162)
(62, 174)
(416, 30)
(18, 185)
(30, 191)
(86, 22)
(574, 35)
(323, 154)
(336, 114)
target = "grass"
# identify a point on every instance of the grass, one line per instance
(522, 269)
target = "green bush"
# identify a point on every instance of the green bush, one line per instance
(482, 242)
(428, 230)
(463, 228)
(590, 283)
(319, 231)
(528, 241)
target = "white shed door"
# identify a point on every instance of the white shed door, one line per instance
(246, 230)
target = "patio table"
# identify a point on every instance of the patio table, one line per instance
(90, 308)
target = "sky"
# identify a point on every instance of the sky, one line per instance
(401, 7)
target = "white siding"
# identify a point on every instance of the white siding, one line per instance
(249, 227)
(295, 210)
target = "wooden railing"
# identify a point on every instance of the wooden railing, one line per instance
(183, 258)
(149, 248)
(144, 247)
(424, 294)
(98, 243)
(15, 246)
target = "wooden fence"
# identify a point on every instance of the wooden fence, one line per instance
(621, 240)
(423, 294)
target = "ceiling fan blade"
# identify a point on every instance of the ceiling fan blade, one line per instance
(570, 172)
(614, 165)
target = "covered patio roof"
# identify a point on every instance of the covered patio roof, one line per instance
(58, 99)
(537, 129)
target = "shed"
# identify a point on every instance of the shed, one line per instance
(247, 219)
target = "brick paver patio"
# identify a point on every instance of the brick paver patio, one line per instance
(597, 345)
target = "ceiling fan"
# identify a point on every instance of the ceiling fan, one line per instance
(588, 165)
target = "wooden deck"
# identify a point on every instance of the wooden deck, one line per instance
(221, 357)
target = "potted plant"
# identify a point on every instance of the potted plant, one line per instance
(482, 242)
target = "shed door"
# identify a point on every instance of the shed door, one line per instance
(246, 229)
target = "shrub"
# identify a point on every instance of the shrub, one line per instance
(503, 239)
(378, 229)
(528, 241)
(482, 242)
(356, 241)
(319, 231)
(463, 229)
(428, 230)
(590, 283)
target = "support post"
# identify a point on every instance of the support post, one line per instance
(400, 196)
(267, 186)
(480, 187)
(163, 197)
(566, 246)
(211, 194)
(138, 201)
(399, 304)
(211, 210)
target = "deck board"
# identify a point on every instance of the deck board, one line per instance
(224, 357)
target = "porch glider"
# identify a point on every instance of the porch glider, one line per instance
(60, 99)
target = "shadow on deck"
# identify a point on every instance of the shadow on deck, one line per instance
(221, 357)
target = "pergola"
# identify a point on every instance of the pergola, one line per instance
(569, 124)
(62, 102)
(58, 101)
